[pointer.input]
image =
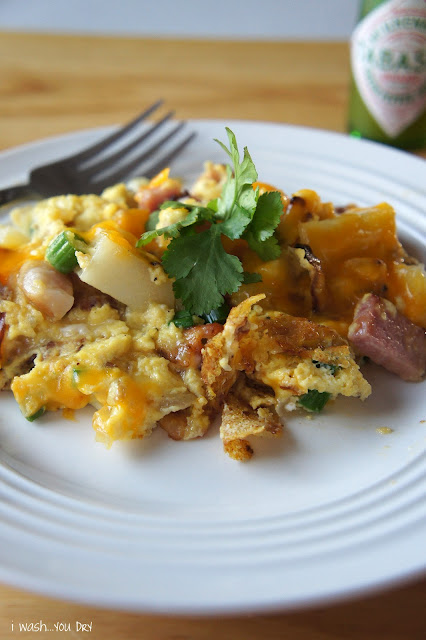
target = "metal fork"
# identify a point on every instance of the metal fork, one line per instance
(103, 163)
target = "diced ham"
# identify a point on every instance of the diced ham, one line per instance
(188, 352)
(195, 340)
(2, 326)
(388, 338)
(48, 290)
(151, 198)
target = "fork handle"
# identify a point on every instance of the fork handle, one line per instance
(18, 192)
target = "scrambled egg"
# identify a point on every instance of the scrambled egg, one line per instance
(104, 334)
(101, 351)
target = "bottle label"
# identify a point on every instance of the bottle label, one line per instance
(388, 57)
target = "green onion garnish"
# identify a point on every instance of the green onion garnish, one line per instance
(314, 400)
(61, 251)
(331, 368)
(76, 375)
(36, 415)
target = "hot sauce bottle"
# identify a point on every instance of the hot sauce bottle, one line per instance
(388, 63)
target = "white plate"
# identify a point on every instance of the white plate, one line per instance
(335, 509)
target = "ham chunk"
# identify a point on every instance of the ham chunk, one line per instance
(158, 190)
(2, 326)
(151, 199)
(388, 338)
(48, 290)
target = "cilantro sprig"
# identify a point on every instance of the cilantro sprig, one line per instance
(203, 271)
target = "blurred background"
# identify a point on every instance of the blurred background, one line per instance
(75, 64)
(266, 19)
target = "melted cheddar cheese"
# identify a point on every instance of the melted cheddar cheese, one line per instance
(115, 347)
(358, 251)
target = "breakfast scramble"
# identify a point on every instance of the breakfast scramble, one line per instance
(162, 306)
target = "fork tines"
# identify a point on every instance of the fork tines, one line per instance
(141, 147)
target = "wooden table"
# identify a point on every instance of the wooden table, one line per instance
(54, 84)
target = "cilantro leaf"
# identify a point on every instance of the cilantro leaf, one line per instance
(195, 258)
(267, 216)
(195, 215)
(314, 400)
(238, 200)
(183, 319)
(245, 173)
(174, 204)
(235, 225)
(267, 250)
(202, 269)
(260, 232)
(152, 221)
(217, 315)
(250, 278)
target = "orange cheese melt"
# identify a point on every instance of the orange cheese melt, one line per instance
(11, 260)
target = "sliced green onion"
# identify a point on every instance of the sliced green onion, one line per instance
(61, 251)
(36, 415)
(217, 315)
(332, 368)
(76, 375)
(314, 400)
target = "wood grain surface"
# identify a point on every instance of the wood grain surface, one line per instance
(56, 84)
